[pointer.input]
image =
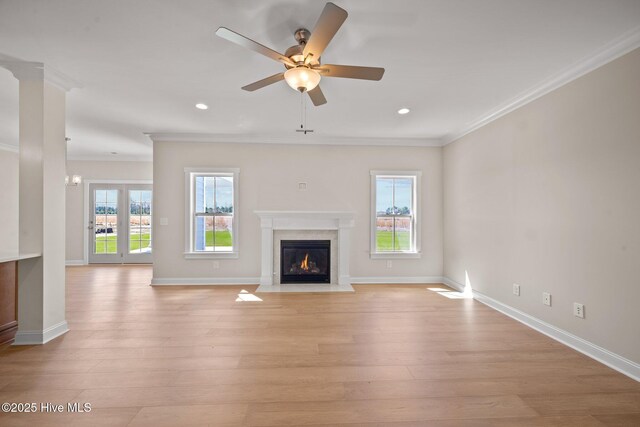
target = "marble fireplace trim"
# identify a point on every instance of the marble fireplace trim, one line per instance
(304, 224)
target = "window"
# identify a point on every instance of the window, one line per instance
(394, 210)
(211, 228)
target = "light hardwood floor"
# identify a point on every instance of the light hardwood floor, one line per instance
(398, 355)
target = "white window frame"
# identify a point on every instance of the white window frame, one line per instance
(189, 191)
(415, 238)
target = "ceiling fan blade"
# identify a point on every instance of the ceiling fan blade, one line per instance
(327, 26)
(264, 82)
(317, 97)
(243, 41)
(350, 72)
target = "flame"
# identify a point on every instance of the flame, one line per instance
(305, 263)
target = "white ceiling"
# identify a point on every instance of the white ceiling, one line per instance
(144, 64)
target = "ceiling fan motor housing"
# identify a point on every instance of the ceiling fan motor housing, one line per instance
(295, 53)
(302, 35)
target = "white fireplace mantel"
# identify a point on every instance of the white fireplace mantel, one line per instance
(305, 220)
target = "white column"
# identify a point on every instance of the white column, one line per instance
(266, 277)
(344, 239)
(41, 280)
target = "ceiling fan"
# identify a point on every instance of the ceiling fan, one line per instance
(302, 61)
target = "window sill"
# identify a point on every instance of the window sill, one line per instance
(211, 255)
(395, 255)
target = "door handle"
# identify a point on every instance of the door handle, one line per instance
(90, 227)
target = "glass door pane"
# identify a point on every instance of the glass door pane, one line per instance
(137, 200)
(139, 221)
(106, 221)
(104, 226)
(120, 223)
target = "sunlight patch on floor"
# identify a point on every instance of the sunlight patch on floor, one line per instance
(245, 296)
(448, 293)
(451, 294)
(456, 295)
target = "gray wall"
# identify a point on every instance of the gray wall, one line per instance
(548, 196)
(338, 179)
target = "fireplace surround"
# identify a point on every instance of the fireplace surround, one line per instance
(305, 225)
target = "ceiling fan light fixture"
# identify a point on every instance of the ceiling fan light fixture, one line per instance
(302, 79)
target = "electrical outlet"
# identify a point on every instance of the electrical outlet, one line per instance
(389, 264)
(578, 310)
(302, 186)
(216, 264)
(546, 298)
(516, 289)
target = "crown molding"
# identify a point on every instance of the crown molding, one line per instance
(110, 158)
(8, 147)
(294, 139)
(611, 51)
(60, 79)
(36, 71)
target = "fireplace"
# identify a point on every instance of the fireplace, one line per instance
(305, 261)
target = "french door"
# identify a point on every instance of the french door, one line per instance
(120, 223)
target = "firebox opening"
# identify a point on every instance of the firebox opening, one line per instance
(305, 261)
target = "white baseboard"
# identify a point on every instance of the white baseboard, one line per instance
(41, 337)
(71, 262)
(404, 280)
(453, 284)
(417, 280)
(602, 355)
(256, 280)
(162, 281)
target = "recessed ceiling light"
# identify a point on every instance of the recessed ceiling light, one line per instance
(202, 106)
(403, 111)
